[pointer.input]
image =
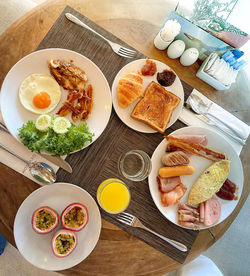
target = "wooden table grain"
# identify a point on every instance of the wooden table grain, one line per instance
(137, 23)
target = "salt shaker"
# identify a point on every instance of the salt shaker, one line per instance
(189, 56)
(167, 34)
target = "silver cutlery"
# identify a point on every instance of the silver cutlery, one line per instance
(54, 159)
(211, 123)
(133, 221)
(200, 107)
(118, 49)
(41, 171)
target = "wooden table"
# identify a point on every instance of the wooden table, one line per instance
(137, 23)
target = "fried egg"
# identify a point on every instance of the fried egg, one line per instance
(39, 93)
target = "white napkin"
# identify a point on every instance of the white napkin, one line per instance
(11, 161)
(188, 117)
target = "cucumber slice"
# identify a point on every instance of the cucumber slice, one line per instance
(61, 125)
(43, 122)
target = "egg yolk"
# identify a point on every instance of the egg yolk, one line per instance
(42, 100)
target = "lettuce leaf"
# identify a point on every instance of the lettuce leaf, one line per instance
(57, 144)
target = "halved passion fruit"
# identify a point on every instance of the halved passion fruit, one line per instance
(44, 220)
(75, 217)
(63, 242)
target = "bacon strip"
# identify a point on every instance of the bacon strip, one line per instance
(197, 149)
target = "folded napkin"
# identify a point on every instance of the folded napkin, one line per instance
(14, 163)
(190, 118)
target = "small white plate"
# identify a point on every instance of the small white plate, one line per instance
(15, 115)
(215, 142)
(36, 248)
(124, 113)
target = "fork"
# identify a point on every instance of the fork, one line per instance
(135, 222)
(118, 49)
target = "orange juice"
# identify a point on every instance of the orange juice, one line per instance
(113, 195)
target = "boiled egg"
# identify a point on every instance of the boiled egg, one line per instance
(39, 93)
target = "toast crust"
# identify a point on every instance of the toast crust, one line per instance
(156, 107)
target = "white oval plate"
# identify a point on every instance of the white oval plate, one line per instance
(124, 113)
(36, 248)
(215, 142)
(15, 115)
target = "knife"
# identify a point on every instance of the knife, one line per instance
(54, 159)
(58, 161)
(212, 123)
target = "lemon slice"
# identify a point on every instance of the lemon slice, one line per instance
(61, 125)
(43, 122)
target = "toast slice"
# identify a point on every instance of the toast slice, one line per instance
(156, 107)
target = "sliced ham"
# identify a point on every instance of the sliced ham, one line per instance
(175, 158)
(167, 184)
(189, 138)
(212, 211)
(202, 212)
(189, 224)
(172, 197)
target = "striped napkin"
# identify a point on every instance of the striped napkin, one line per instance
(190, 118)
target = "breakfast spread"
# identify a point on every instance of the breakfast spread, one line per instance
(200, 206)
(73, 218)
(45, 220)
(63, 243)
(166, 78)
(129, 89)
(156, 107)
(39, 93)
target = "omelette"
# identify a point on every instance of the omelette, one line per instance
(209, 182)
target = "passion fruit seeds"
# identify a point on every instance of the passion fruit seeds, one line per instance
(44, 220)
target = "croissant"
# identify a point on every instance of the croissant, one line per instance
(129, 89)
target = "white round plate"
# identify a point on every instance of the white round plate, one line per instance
(15, 115)
(124, 113)
(36, 248)
(215, 142)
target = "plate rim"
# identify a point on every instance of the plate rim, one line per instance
(62, 50)
(113, 94)
(35, 192)
(151, 188)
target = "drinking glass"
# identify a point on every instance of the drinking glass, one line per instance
(113, 195)
(135, 165)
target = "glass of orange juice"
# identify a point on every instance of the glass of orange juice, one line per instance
(113, 195)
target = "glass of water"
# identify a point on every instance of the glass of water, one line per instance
(135, 165)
